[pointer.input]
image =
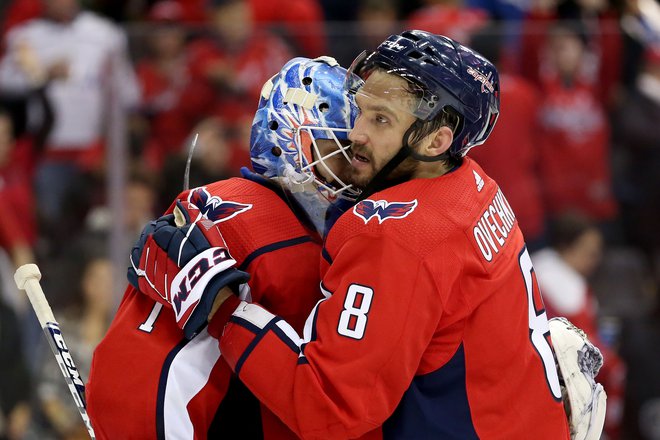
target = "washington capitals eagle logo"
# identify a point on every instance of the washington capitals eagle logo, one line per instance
(213, 207)
(383, 210)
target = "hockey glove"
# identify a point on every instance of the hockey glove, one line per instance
(578, 362)
(182, 260)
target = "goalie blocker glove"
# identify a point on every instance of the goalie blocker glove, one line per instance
(578, 362)
(182, 260)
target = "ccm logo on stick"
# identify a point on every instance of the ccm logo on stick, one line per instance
(70, 367)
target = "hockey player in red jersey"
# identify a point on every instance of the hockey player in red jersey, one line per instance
(148, 381)
(432, 324)
(435, 327)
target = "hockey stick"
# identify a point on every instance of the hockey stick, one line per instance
(178, 217)
(186, 173)
(27, 278)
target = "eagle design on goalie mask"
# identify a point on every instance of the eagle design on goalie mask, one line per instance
(213, 207)
(383, 210)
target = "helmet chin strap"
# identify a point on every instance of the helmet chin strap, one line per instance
(380, 182)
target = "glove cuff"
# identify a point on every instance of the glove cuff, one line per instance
(231, 278)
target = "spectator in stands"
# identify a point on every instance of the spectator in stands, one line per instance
(300, 21)
(637, 142)
(640, 27)
(377, 20)
(448, 17)
(15, 381)
(235, 61)
(81, 59)
(84, 321)
(139, 203)
(210, 161)
(172, 102)
(373, 21)
(20, 139)
(600, 33)
(17, 227)
(511, 156)
(139, 207)
(574, 137)
(563, 271)
(639, 341)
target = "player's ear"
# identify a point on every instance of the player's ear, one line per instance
(441, 142)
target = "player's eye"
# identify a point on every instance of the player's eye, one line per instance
(380, 119)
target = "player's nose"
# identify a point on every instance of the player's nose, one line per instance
(357, 135)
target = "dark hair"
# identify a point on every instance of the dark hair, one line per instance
(567, 228)
(222, 3)
(573, 28)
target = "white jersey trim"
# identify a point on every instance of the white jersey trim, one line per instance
(253, 314)
(187, 376)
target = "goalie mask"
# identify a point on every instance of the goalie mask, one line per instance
(300, 134)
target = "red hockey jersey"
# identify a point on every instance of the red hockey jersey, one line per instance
(433, 326)
(148, 382)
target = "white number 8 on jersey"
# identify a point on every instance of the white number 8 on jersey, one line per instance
(353, 319)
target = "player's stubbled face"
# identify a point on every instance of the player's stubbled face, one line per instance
(385, 114)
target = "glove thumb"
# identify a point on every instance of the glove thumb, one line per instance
(181, 216)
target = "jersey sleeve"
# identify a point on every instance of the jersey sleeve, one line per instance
(290, 290)
(360, 348)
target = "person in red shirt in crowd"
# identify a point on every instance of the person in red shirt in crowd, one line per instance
(512, 154)
(171, 101)
(302, 20)
(376, 20)
(637, 139)
(602, 39)
(563, 270)
(233, 62)
(448, 17)
(371, 23)
(193, 12)
(18, 230)
(574, 138)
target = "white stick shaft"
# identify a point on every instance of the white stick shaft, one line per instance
(27, 278)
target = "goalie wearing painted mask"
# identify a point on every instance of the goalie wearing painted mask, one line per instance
(148, 380)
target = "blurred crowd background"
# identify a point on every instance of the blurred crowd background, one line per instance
(99, 100)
